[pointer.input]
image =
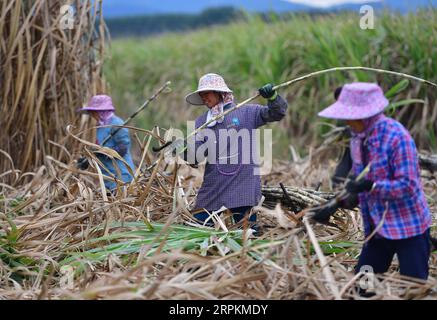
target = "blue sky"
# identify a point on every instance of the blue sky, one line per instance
(328, 3)
(113, 8)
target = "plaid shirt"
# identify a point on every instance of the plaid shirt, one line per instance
(398, 191)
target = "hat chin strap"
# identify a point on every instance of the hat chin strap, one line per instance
(215, 112)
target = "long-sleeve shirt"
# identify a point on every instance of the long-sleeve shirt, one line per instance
(120, 142)
(398, 192)
(236, 183)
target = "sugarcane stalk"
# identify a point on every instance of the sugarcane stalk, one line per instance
(317, 73)
(141, 108)
(327, 273)
(341, 196)
(310, 75)
(293, 81)
(294, 198)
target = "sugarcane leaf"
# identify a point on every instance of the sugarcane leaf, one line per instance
(397, 88)
(330, 247)
(393, 106)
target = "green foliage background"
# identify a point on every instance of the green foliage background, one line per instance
(251, 53)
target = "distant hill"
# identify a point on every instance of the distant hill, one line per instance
(145, 18)
(119, 8)
(146, 25)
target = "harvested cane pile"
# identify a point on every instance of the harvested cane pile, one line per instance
(63, 237)
(47, 72)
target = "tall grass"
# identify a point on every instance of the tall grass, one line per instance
(46, 74)
(250, 54)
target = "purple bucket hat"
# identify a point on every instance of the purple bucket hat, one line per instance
(358, 100)
(99, 103)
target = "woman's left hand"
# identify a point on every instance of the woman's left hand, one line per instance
(267, 92)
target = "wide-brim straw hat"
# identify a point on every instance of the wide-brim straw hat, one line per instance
(208, 82)
(99, 103)
(358, 100)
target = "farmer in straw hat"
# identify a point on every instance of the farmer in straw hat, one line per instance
(391, 196)
(228, 180)
(100, 107)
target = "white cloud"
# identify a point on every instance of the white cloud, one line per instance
(328, 3)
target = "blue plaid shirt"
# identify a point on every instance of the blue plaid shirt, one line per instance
(398, 192)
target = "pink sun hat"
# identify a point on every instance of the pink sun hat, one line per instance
(358, 100)
(208, 82)
(99, 103)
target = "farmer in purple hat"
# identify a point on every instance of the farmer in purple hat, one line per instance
(100, 107)
(391, 195)
(228, 180)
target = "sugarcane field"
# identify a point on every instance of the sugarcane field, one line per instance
(218, 150)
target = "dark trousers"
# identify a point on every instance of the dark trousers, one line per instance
(413, 255)
(238, 214)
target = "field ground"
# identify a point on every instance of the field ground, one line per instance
(66, 239)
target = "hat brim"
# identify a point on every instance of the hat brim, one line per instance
(94, 109)
(195, 99)
(340, 111)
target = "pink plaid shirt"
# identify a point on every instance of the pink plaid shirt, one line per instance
(398, 192)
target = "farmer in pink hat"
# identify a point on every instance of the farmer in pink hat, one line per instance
(390, 196)
(100, 107)
(231, 183)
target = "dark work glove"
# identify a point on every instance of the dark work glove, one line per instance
(359, 186)
(267, 92)
(350, 202)
(102, 156)
(82, 163)
(121, 149)
(322, 215)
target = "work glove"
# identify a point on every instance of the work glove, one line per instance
(179, 146)
(350, 201)
(322, 215)
(359, 186)
(82, 163)
(267, 92)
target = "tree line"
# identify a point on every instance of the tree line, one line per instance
(147, 25)
(152, 24)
